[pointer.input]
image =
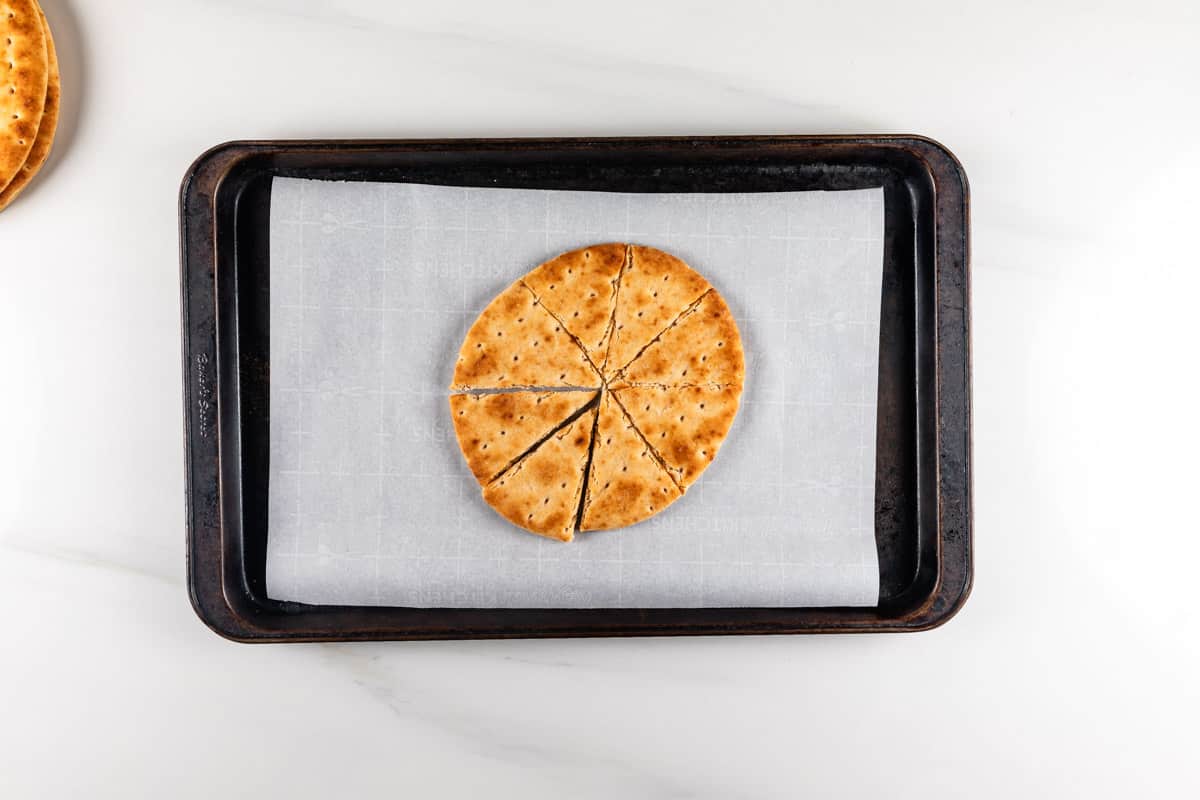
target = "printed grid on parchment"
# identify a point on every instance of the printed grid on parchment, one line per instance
(373, 287)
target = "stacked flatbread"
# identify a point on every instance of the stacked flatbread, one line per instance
(595, 390)
(29, 95)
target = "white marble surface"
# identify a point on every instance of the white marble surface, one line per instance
(1071, 671)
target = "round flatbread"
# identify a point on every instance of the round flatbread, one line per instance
(24, 75)
(661, 349)
(44, 139)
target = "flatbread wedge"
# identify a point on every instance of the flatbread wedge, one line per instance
(516, 343)
(684, 425)
(541, 492)
(44, 138)
(494, 430)
(702, 348)
(24, 73)
(626, 483)
(580, 289)
(656, 287)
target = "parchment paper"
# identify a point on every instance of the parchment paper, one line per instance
(373, 286)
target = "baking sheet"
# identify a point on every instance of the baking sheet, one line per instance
(373, 286)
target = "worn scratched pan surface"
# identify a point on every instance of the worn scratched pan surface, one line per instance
(923, 458)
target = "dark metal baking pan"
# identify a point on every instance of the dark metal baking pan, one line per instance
(923, 448)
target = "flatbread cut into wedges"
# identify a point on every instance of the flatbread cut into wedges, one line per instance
(626, 484)
(642, 435)
(24, 73)
(541, 492)
(703, 347)
(580, 289)
(44, 139)
(656, 287)
(517, 343)
(494, 430)
(684, 425)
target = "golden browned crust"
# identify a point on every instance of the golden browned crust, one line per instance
(44, 138)
(684, 425)
(541, 491)
(626, 484)
(656, 287)
(702, 347)
(516, 342)
(659, 344)
(494, 430)
(580, 289)
(24, 71)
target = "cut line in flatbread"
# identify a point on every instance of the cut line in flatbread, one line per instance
(541, 492)
(44, 138)
(520, 389)
(516, 342)
(649, 446)
(496, 430)
(579, 288)
(702, 348)
(612, 320)
(587, 467)
(685, 425)
(626, 482)
(615, 374)
(655, 288)
(24, 76)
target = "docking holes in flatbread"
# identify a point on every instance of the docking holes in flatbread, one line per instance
(516, 343)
